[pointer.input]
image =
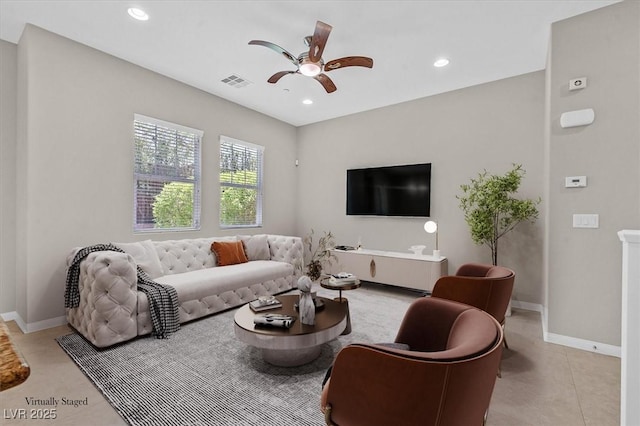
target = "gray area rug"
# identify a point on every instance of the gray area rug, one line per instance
(202, 375)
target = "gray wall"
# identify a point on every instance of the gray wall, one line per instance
(75, 167)
(8, 93)
(584, 265)
(460, 133)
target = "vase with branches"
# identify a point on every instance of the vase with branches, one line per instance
(319, 256)
(490, 209)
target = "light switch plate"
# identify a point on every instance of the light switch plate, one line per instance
(586, 221)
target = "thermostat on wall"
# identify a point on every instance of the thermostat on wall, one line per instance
(575, 182)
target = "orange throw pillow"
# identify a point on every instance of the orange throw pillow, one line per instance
(229, 253)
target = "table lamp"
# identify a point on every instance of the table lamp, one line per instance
(432, 227)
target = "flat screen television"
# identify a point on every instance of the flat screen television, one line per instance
(390, 191)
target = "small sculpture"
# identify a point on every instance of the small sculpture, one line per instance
(306, 307)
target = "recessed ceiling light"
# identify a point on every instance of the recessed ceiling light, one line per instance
(442, 62)
(138, 14)
(307, 101)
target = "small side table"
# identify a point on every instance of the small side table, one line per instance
(325, 283)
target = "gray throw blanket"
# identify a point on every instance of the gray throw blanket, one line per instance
(163, 299)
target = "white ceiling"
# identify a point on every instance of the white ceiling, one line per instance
(202, 42)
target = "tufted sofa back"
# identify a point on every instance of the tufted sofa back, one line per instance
(178, 256)
(285, 249)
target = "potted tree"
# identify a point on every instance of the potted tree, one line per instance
(490, 209)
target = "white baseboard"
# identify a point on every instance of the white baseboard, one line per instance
(572, 342)
(527, 306)
(585, 345)
(14, 316)
(34, 326)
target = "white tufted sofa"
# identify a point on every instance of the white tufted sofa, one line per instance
(111, 309)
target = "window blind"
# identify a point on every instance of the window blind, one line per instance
(166, 175)
(241, 166)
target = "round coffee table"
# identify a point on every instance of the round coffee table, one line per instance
(298, 345)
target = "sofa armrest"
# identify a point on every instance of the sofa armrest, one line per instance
(107, 310)
(287, 249)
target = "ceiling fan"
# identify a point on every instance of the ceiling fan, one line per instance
(311, 63)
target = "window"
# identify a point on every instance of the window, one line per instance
(240, 183)
(166, 176)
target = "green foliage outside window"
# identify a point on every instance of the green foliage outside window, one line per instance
(173, 206)
(239, 196)
(238, 203)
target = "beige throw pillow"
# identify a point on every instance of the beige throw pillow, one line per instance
(256, 246)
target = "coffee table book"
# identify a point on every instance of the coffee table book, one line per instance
(264, 304)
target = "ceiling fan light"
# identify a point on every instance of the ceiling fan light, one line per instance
(310, 69)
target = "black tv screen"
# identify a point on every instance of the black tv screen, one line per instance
(390, 191)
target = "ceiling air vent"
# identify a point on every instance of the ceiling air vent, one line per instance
(235, 81)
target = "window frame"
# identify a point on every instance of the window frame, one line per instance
(259, 149)
(197, 178)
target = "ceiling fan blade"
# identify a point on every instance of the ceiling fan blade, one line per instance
(276, 48)
(319, 40)
(349, 61)
(326, 83)
(277, 76)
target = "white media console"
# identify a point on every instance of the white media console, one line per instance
(416, 271)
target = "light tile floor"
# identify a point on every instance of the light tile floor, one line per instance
(547, 384)
(541, 384)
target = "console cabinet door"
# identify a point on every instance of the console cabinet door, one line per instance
(359, 265)
(403, 272)
(418, 274)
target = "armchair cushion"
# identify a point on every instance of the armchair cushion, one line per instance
(446, 331)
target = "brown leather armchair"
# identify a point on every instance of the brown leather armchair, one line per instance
(486, 287)
(444, 376)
